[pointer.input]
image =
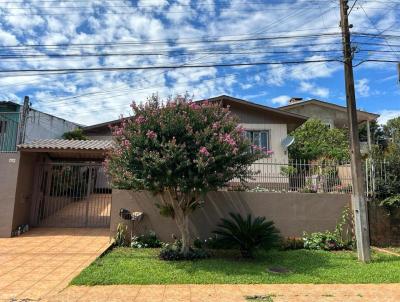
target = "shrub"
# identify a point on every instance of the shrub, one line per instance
(76, 134)
(340, 239)
(292, 243)
(209, 243)
(149, 240)
(173, 252)
(247, 234)
(321, 241)
(120, 236)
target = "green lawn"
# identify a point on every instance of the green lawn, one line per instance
(141, 266)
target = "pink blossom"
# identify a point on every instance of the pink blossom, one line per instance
(106, 164)
(255, 147)
(133, 105)
(204, 151)
(227, 138)
(239, 129)
(194, 105)
(117, 131)
(151, 134)
(140, 119)
(126, 143)
(215, 125)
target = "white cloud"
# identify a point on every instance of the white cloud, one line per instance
(386, 115)
(314, 89)
(313, 70)
(362, 87)
(276, 75)
(6, 38)
(281, 100)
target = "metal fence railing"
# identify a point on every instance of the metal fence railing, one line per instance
(309, 177)
(9, 130)
(72, 195)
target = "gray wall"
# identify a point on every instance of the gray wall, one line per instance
(9, 164)
(293, 213)
(41, 125)
(331, 117)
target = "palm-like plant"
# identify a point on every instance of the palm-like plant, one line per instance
(247, 234)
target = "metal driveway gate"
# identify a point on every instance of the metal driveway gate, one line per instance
(72, 195)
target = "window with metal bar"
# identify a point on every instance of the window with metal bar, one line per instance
(259, 138)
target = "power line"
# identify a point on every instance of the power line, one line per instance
(77, 70)
(379, 34)
(152, 42)
(291, 15)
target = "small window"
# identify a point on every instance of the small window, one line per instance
(259, 138)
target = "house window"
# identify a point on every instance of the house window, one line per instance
(259, 138)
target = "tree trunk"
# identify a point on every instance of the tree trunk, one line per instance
(181, 217)
(185, 233)
(182, 221)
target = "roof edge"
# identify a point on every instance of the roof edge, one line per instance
(259, 106)
(325, 104)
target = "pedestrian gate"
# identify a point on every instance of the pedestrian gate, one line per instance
(71, 195)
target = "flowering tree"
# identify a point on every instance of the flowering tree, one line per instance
(179, 150)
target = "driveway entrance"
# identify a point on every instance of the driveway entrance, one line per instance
(72, 195)
(43, 261)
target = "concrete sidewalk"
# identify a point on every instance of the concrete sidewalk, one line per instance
(231, 293)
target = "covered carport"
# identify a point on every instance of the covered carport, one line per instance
(62, 183)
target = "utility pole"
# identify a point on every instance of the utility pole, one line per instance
(24, 117)
(358, 196)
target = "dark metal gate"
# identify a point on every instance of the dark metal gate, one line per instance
(72, 195)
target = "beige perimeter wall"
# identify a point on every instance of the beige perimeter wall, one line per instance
(293, 213)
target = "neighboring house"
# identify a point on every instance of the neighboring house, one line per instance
(333, 115)
(265, 126)
(17, 127)
(9, 125)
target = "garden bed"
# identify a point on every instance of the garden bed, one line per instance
(142, 266)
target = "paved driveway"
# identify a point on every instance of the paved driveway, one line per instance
(43, 261)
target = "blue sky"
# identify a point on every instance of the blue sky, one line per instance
(178, 31)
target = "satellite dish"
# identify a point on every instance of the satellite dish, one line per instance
(287, 141)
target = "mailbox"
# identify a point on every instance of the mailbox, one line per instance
(125, 214)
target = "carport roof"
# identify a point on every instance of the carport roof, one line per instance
(63, 144)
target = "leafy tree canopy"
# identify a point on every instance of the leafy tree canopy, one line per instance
(392, 129)
(377, 134)
(315, 140)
